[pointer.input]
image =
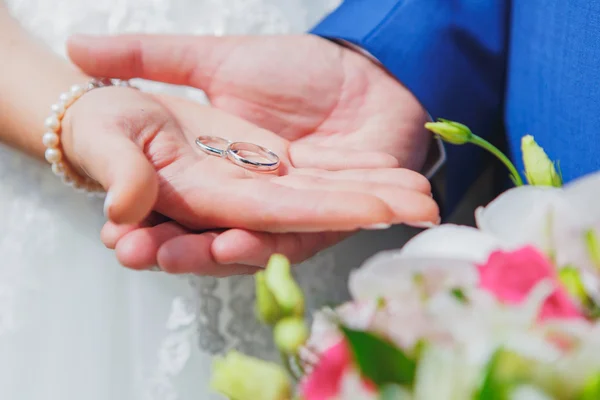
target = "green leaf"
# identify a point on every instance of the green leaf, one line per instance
(459, 294)
(504, 371)
(379, 360)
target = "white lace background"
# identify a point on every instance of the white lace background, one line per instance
(73, 323)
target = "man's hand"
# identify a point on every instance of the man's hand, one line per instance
(304, 88)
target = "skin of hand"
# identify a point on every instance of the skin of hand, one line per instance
(141, 148)
(308, 90)
(311, 91)
(304, 88)
(111, 152)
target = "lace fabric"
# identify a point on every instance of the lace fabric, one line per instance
(73, 323)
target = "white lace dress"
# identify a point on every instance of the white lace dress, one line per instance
(74, 324)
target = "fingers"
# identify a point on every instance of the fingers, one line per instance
(233, 252)
(306, 155)
(97, 138)
(180, 60)
(111, 233)
(138, 249)
(237, 246)
(174, 250)
(192, 254)
(262, 205)
(408, 206)
(130, 179)
(121, 167)
(400, 177)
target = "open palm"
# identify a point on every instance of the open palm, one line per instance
(306, 89)
(203, 192)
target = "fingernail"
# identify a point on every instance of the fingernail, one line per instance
(107, 203)
(377, 227)
(426, 224)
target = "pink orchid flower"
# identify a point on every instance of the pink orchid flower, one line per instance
(326, 379)
(511, 275)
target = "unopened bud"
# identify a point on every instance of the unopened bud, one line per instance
(290, 334)
(267, 308)
(285, 290)
(240, 377)
(450, 131)
(539, 169)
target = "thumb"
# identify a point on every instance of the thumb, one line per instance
(179, 60)
(120, 166)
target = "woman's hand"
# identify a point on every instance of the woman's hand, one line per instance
(140, 148)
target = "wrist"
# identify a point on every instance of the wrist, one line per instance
(27, 90)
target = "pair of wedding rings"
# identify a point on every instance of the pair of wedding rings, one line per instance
(243, 154)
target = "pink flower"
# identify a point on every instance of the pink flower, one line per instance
(510, 276)
(325, 381)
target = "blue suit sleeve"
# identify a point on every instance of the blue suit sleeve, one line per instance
(450, 53)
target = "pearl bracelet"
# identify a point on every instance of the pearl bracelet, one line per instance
(52, 139)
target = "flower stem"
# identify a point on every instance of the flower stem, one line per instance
(484, 144)
(287, 363)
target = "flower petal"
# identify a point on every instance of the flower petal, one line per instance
(390, 275)
(325, 381)
(354, 388)
(519, 215)
(452, 242)
(582, 196)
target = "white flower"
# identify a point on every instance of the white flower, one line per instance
(554, 220)
(324, 332)
(429, 262)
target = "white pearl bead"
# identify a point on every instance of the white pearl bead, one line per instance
(58, 169)
(50, 139)
(53, 155)
(66, 99)
(52, 123)
(77, 91)
(58, 109)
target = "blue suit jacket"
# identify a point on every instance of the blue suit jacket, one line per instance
(529, 66)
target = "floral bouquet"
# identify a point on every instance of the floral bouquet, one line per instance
(505, 311)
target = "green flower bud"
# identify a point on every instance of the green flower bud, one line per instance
(290, 334)
(593, 247)
(539, 170)
(571, 280)
(450, 131)
(239, 377)
(281, 283)
(267, 308)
